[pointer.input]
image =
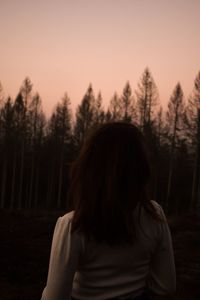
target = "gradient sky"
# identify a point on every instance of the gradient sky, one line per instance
(63, 45)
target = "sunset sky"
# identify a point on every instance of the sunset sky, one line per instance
(63, 45)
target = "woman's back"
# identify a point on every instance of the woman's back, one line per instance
(116, 242)
(111, 271)
(104, 271)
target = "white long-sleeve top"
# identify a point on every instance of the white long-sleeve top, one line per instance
(91, 271)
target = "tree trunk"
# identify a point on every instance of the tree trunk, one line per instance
(50, 187)
(171, 159)
(19, 206)
(37, 175)
(169, 183)
(12, 203)
(60, 180)
(171, 164)
(3, 184)
(195, 181)
(31, 183)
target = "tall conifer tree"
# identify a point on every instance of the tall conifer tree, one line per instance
(84, 116)
(174, 124)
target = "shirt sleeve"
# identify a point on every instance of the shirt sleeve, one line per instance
(64, 257)
(162, 274)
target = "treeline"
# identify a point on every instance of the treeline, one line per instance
(36, 152)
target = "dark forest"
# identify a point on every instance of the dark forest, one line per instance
(36, 152)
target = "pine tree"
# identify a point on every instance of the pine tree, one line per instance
(25, 91)
(159, 126)
(99, 114)
(64, 123)
(174, 126)
(60, 131)
(127, 104)
(114, 112)
(192, 124)
(21, 131)
(147, 100)
(7, 131)
(84, 116)
(159, 162)
(36, 123)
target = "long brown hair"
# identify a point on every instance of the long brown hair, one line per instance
(108, 179)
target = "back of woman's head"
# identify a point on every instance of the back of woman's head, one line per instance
(108, 180)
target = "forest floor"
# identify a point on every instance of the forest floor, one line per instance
(25, 241)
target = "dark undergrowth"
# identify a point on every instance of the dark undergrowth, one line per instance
(25, 248)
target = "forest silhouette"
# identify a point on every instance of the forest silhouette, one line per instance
(36, 151)
(35, 157)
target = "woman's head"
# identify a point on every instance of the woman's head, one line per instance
(108, 180)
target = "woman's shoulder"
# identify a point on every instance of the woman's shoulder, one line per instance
(156, 206)
(65, 220)
(158, 209)
(68, 216)
(153, 212)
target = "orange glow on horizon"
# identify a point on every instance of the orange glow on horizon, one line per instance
(62, 46)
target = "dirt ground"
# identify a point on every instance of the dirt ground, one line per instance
(25, 240)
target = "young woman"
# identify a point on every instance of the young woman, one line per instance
(116, 243)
